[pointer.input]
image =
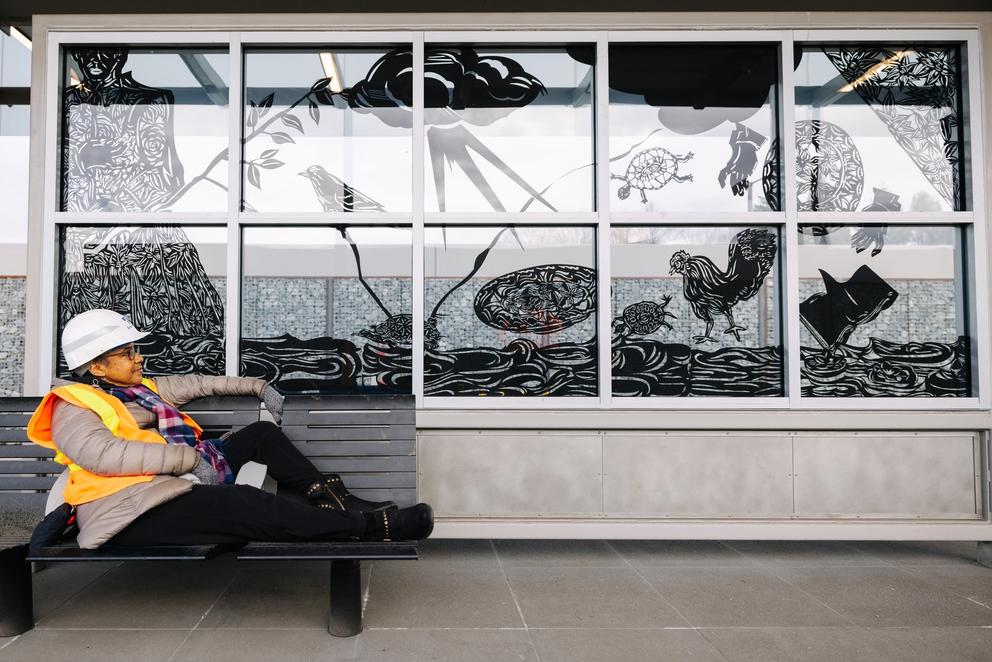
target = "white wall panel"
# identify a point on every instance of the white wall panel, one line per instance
(887, 475)
(507, 473)
(686, 475)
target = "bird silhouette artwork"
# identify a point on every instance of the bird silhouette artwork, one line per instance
(712, 292)
(337, 196)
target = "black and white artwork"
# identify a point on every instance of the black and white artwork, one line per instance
(154, 276)
(525, 332)
(868, 339)
(651, 170)
(651, 355)
(118, 141)
(715, 95)
(369, 350)
(915, 92)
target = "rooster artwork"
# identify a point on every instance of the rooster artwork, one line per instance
(714, 293)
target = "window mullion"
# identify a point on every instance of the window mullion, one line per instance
(788, 202)
(232, 316)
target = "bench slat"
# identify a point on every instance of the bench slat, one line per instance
(72, 552)
(24, 451)
(12, 483)
(395, 479)
(364, 464)
(30, 467)
(13, 434)
(350, 402)
(336, 448)
(350, 433)
(329, 417)
(15, 419)
(328, 551)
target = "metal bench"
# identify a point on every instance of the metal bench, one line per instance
(368, 440)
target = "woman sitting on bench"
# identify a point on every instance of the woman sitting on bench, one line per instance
(141, 473)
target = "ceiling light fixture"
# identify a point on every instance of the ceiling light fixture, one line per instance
(20, 37)
(874, 70)
(330, 66)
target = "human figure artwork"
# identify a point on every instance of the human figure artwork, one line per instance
(152, 275)
(118, 148)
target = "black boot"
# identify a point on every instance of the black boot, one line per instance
(333, 495)
(413, 523)
(336, 490)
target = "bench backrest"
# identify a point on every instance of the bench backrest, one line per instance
(369, 440)
(27, 470)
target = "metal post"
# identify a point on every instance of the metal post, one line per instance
(16, 606)
(346, 598)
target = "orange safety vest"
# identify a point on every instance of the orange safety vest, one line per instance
(85, 486)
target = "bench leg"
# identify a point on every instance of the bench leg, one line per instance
(16, 605)
(985, 553)
(346, 598)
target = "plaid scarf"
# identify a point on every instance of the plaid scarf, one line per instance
(175, 431)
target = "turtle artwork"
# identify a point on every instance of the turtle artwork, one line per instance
(397, 330)
(651, 170)
(641, 319)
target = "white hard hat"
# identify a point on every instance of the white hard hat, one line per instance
(90, 334)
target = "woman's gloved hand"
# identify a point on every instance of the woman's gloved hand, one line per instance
(273, 400)
(205, 472)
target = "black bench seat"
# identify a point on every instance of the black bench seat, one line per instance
(70, 551)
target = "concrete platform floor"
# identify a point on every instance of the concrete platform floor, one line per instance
(480, 600)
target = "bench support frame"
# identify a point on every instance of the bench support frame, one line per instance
(16, 601)
(346, 598)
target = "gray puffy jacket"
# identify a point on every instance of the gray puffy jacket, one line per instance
(81, 435)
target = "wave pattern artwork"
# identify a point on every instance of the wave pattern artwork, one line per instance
(644, 367)
(522, 368)
(888, 369)
(154, 276)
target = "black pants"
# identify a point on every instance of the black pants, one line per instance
(239, 513)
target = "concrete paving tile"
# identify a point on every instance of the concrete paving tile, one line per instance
(921, 553)
(559, 553)
(974, 582)
(454, 552)
(266, 645)
(886, 596)
(662, 553)
(833, 644)
(596, 645)
(738, 597)
(57, 582)
(145, 595)
(275, 597)
(410, 595)
(942, 644)
(483, 645)
(589, 597)
(94, 645)
(802, 553)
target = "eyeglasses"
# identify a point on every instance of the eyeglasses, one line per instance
(130, 352)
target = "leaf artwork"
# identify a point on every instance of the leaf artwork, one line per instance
(915, 93)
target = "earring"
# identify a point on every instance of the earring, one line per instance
(96, 383)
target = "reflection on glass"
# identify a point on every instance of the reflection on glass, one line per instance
(510, 311)
(690, 126)
(167, 279)
(695, 311)
(880, 128)
(889, 321)
(328, 130)
(144, 130)
(327, 309)
(509, 129)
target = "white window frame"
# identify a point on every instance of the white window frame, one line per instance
(787, 219)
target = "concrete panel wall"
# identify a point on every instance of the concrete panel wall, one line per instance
(714, 475)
